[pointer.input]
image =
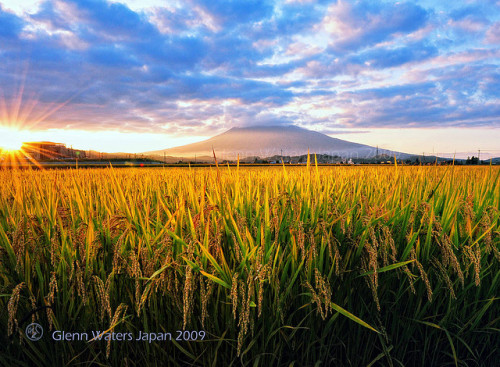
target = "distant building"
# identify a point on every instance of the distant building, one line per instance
(47, 150)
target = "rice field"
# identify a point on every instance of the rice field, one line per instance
(274, 266)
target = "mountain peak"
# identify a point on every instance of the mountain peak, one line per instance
(270, 140)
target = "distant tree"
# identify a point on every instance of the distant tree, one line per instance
(472, 160)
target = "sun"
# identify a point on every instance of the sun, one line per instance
(10, 139)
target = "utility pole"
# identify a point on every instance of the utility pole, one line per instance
(479, 156)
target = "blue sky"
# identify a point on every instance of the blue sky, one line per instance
(133, 75)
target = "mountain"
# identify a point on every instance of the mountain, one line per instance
(266, 141)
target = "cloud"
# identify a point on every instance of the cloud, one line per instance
(290, 19)
(10, 25)
(200, 66)
(231, 12)
(56, 15)
(111, 57)
(353, 26)
(384, 57)
(172, 20)
(493, 34)
(114, 21)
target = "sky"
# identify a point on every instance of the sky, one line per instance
(135, 75)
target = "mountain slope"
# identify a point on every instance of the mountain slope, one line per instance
(266, 141)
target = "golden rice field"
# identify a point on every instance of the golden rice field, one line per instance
(274, 266)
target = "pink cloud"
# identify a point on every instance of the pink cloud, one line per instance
(360, 24)
(493, 34)
(468, 25)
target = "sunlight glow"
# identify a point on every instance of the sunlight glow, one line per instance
(11, 139)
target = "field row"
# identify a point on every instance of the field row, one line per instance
(346, 265)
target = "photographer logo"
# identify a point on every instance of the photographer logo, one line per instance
(34, 332)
